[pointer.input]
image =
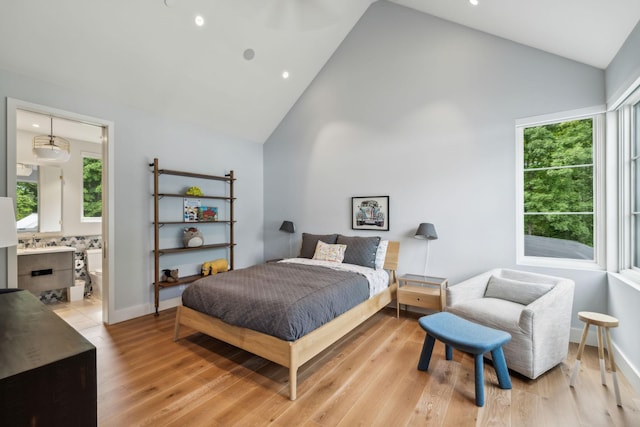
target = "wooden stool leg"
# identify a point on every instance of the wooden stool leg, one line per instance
(612, 364)
(576, 366)
(479, 380)
(425, 356)
(603, 379)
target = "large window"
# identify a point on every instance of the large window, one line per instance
(558, 190)
(629, 137)
(91, 188)
(635, 136)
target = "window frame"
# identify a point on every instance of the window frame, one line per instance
(628, 123)
(37, 186)
(597, 114)
(86, 219)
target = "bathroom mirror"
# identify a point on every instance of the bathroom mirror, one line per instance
(39, 199)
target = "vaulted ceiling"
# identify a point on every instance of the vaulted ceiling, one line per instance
(227, 74)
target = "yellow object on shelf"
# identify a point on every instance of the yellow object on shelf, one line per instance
(216, 266)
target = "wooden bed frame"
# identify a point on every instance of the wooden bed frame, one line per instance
(293, 354)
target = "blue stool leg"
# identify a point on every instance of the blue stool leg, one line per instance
(500, 366)
(449, 351)
(425, 356)
(479, 380)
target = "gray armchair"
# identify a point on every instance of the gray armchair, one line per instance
(534, 308)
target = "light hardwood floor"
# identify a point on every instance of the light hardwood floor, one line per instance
(369, 378)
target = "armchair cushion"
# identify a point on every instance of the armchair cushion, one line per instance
(515, 290)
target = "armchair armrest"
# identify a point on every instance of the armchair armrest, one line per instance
(472, 288)
(552, 310)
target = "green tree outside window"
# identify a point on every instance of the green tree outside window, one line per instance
(92, 187)
(559, 181)
(26, 199)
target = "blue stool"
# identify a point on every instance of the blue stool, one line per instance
(469, 337)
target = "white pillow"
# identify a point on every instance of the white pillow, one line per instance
(515, 291)
(327, 252)
(381, 254)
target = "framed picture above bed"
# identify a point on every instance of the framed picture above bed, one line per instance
(370, 213)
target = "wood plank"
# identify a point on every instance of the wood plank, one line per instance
(364, 375)
(328, 371)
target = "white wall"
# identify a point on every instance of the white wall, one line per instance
(139, 137)
(424, 111)
(624, 69)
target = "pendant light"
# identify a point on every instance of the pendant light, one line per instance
(51, 148)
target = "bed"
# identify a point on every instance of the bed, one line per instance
(291, 352)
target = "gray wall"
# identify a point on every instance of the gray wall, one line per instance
(139, 137)
(625, 67)
(424, 111)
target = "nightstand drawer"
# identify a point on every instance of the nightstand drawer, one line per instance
(419, 298)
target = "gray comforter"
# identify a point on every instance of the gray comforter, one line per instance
(280, 299)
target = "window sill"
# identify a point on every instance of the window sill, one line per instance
(90, 220)
(629, 277)
(560, 263)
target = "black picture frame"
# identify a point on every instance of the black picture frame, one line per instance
(370, 213)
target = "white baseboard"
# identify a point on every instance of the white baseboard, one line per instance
(142, 310)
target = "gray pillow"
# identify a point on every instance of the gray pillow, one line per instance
(360, 250)
(515, 291)
(310, 241)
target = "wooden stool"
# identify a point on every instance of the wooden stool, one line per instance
(601, 321)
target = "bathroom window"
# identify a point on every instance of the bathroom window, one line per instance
(27, 205)
(91, 188)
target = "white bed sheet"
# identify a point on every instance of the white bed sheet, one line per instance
(378, 279)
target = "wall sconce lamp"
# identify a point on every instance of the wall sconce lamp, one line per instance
(288, 227)
(426, 231)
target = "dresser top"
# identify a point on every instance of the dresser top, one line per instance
(31, 335)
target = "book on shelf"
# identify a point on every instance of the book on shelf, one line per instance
(207, 213)
(191, 210)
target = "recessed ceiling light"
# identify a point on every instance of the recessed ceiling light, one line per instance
(199, 21)
(473, 2)
(249, 54)
(285, 74)
(35, 125)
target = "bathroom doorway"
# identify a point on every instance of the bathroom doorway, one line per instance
(87, 227)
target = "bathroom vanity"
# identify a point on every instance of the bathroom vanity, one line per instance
(43, 269)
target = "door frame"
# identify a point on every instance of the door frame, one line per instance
(108, 203)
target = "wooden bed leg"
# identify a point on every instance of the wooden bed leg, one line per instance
(176, 328)
(293, 378)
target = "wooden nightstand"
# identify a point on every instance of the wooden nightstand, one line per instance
(421, 291)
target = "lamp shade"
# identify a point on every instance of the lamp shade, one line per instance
(287, 226)
(426, 231)
(51, 148)
(8, 230)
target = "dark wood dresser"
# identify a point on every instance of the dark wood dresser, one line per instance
(47, 369)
